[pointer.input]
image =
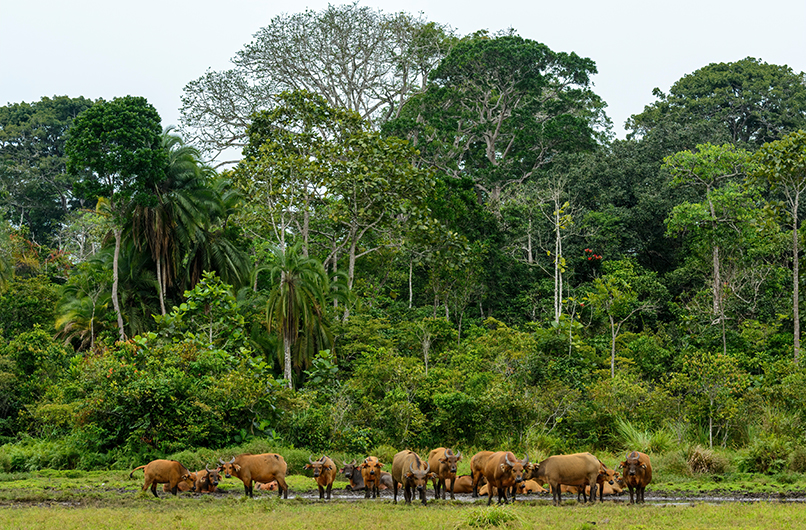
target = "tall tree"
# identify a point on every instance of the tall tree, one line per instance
(183, 200)
(354, 56)
(306, 158)
(497, 110)
(38, 190)
(115, 149)
(297, 303)
(706, 169)
(747, 102)
(783, 165)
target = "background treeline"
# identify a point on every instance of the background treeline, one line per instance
(388, 234)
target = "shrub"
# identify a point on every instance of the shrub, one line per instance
(702, 460)
(797, 460)
(767, 455)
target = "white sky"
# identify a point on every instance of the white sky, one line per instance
(153, 48)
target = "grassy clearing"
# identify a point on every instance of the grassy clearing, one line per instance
(264, 513)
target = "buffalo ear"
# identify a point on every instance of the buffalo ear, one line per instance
(643, 466)
(237, 467)
(443, 460)
(409, 474)
(307, 466)
(380, 465)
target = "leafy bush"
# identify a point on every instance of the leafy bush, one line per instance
(768, 455)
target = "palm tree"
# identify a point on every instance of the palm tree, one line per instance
(214, 244)
(296, 308)
(183, 203)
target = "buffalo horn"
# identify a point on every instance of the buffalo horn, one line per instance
(458, 454)
(310, 459)
(427, 467)
(448, 453)
(221, 460)
(506, 458)
(206, 468)
(526, 460)
(354, 462)
(232, 461)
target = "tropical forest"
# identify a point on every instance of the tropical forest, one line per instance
(373, 233)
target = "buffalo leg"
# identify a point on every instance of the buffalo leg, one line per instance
(632, 501)
(154, 489)
(173, 490)
(321, 492)
(394, 489)
(329, 487)
(453, 483)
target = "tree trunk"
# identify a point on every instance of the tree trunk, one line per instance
(115, 276)
(411, 291)
(160, 285)
(796, 278)
(613, 334)
(287, 354)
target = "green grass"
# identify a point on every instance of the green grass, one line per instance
(190, 514)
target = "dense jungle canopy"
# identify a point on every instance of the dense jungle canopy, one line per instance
(427, 239)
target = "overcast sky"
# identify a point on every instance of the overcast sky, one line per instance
(154, 48)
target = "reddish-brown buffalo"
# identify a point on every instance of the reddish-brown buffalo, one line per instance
(264, 468)
(324, 472)
(477, 464)
(637, 474)
(409, 470)
(168, 472)
(444, 463)
(271, 486)
(504, 471)
(371, 473)
(462, 484)
(530, 486)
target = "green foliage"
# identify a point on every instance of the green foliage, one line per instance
(38, 363)
(32, 155)
(701, 460)
(169, 397)
(209, 317)
(767, 454)
(744, 102)
(26, 303)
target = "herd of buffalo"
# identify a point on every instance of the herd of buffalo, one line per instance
(491, 473)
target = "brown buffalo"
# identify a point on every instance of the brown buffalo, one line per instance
(264, 468)
(182, 486)
(207, 480)
(530, 486)
(462, 484)
(444, 463)
(168, 472)
(270, 486)
(477, 464)
(409, 470)
(324, 471)
(637, 474)
(578, 469)
(503, 472)
(371, 473)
